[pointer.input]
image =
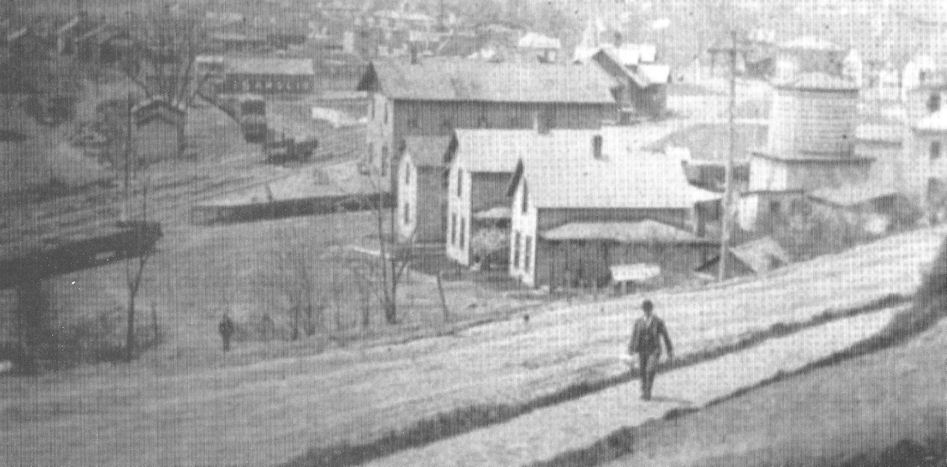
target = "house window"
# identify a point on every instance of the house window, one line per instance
(386, 113)
(774, 207)
(371, 153)
(407, 174)
(933, 102)
(453, 229)
(516, 250)
(373, 108)
(413, 120)
(463, 231)
(407, 213)
(460, 181)
(935, 150)
(525, 200)
(384, 160)
(527, 252)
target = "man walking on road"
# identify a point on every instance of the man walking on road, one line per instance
(226, 329)
(645, 341)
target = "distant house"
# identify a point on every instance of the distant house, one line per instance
(422, 183)
(480, 169)
(268, 75)
(643, 86)
(583, 205)
(750, 258)
(925, 167)
(545, 48)
(158, 131)
(808, 54)
(435, 96)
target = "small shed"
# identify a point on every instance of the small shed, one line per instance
(158, 131)
(753, 257)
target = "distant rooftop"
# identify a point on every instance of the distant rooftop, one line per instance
(818, 81)
(470, 80)
(810, 43)
(533, 40)
(852, 195)
(269, 66)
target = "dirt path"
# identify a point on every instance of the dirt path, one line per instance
(272, 411)
(830, 416)
(543, 434)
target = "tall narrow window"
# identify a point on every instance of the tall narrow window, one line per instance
(414, 121)
(407, 173)
(527, 252)
(407, 213)
(933, 102)
(516, 250)
(453, 229)
(935, 150)
(386, 113)
(384, 160)
(460, 181)
(525, 199)
(463, 231)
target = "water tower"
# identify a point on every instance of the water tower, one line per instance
(810, 146)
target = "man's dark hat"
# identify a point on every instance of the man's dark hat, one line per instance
(647, 305)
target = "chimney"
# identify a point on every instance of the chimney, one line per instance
(597, 147)
(540, 123)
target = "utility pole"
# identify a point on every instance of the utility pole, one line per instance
(725, 219)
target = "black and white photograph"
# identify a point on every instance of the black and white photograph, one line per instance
(557, 233)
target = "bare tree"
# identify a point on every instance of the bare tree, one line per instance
(170, 44)
(136, 258)
(295, 256)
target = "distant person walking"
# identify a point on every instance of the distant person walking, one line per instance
(226, 330)
(645, 341)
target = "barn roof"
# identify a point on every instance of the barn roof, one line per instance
(565, 174)
(269, 66)
(471, 80)
(646, 231)
(761, 255)
(852, 195)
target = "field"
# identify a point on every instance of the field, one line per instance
(208, 410)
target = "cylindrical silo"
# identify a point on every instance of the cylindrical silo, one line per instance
(813, 115)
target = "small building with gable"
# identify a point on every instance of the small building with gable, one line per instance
(422, 183)
(266, 75)
(584, 205)
(158, 130)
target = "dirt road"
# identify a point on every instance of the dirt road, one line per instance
(269, 412)
(543, 434)
(830, 416)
